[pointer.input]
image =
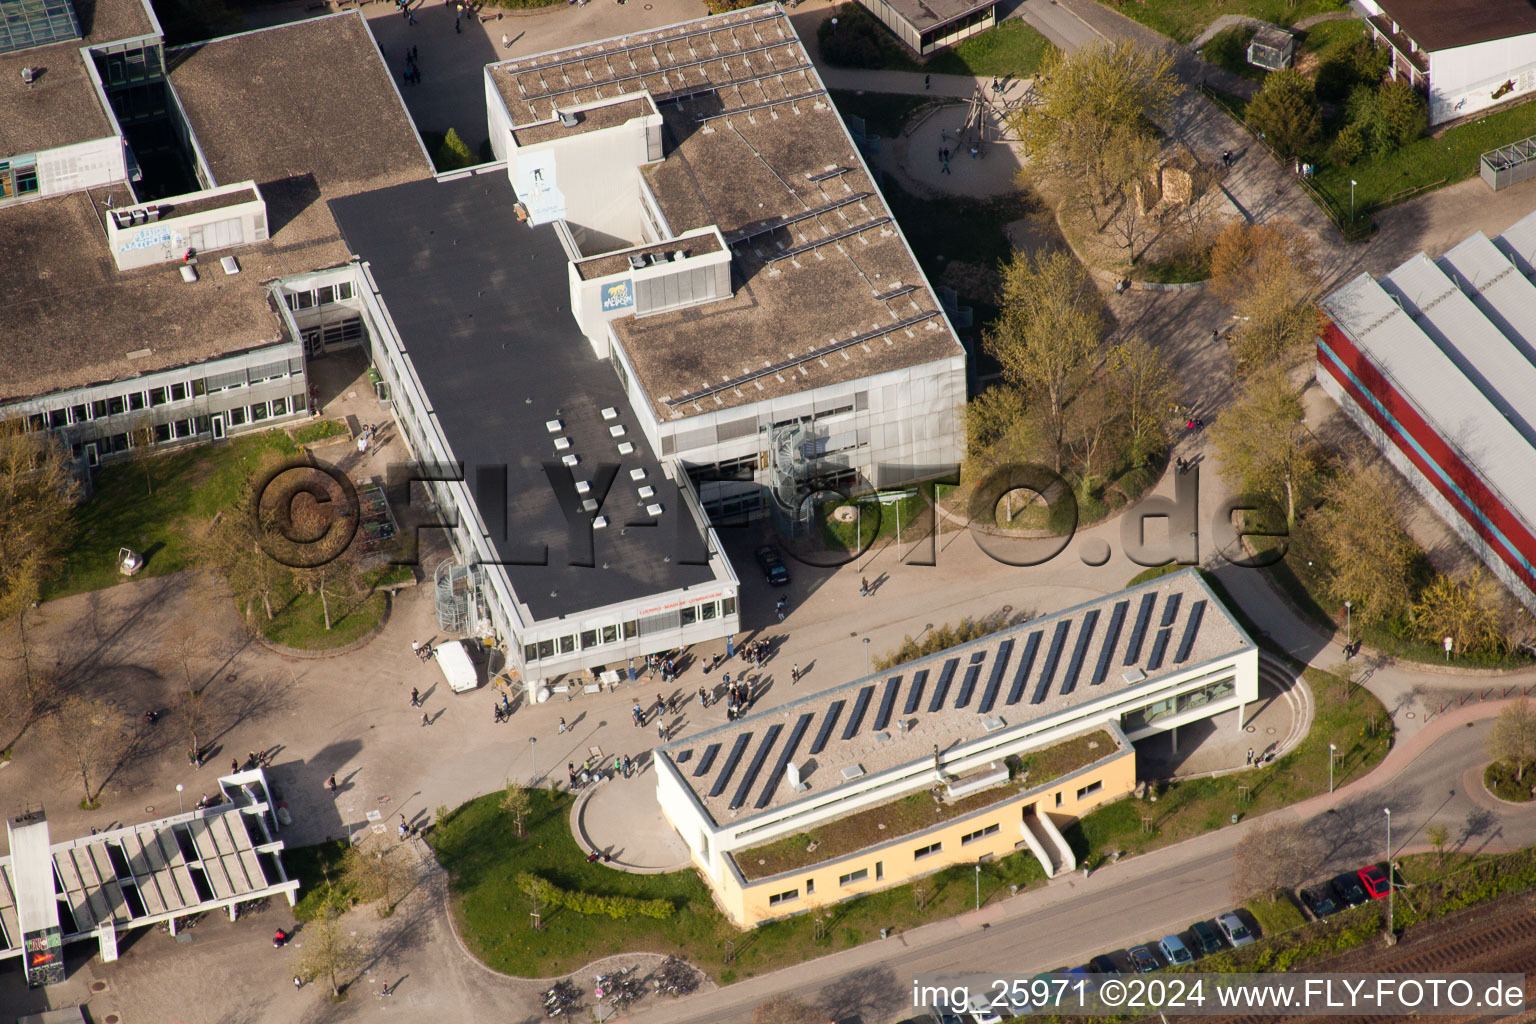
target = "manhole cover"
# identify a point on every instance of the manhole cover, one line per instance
(1412, 715)
(1251, 728)
(111, 1018)
(98, 986)
(1270, 731)
(647, 6)
(150, 809)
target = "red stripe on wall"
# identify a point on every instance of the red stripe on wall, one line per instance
(1409, 421)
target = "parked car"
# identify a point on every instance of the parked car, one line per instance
(982, 1010)
(774, 569)
(1348, 888)
(1143, 959)
(1174, 951)
(942, 1013)
(1233, 928)
(1319, 901)
(1207, 942)
(1104, 964)
(1375, 881)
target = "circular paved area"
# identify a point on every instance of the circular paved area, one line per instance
(622, 818)
(992, 172)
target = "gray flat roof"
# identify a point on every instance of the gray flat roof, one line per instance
(306, 110)
(923, 15)
(482, 305)
(754, 146)
(1020, 674)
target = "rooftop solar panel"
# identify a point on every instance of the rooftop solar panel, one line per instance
(1171, 609)
(707, 761)
(758, 758)
(788, 752)
(730, 764)
(995, 680)
(939, 691)
(28, 23)
(968, 684)
(1111, 641)
(1139, 631)
(887, 702)
(915, 691)
(1080, 651)
(828, 723)
(1052, 659)
(1191, 631)
(860, 704)
(1159, 648)
(1026, 662)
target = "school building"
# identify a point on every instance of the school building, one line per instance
(985, 749)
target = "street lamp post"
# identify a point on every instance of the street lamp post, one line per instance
(1332, 752)
(1352, 184)
(866, 655)
(1349, 633)
(1391, 889)
(978, 886)
(533, 779)
(179, 805)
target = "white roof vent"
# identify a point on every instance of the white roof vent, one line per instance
(647, 491)
(625, 447)
(653, 510)
(1135, 675)
(599, 522)
(570, 460)
(617, 430)
(562, 443)
(570, 118)
(230, 264)
(610, 413)
(992, 724)
(637, 474)
(582, 487)
(853, 771)
(188, 273)
(589, 505)
(553, 426)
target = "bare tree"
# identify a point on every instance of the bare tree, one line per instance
(1513, 738)
(786, 1009)
(231, 546)
(1271, 856)
(141, 446)
(517, 801)
(1264, 443)
(192, 711)
(330, 952)
(25, 697)
(379, 872)
(90, 739)
(1140, 376)
(180, 650)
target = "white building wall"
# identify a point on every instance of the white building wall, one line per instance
(1463, 80)
(81, 166)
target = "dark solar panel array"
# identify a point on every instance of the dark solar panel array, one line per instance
(707, 761)
(968, 684)
(1159, 648)
(915, 691)
(1111, 640)
(684, 756)
(995, 680)
(757, 765)
(1052, 659)
(1191, 631)
(1026, 662)
(801, 724)
(887, 703)
(730, 764)
(1080, 651)
(1171, 609)
(828, 723)
(1139, 631)
(860, 704)
(940, 690)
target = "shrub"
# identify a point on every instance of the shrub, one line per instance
(1285, 112)
(853, 41)
(943, 638)
(1500, 779)
(1348, 146)
(616, 907)
(1229, 49)
(1391, 116)
(453, 153)
(721, 6)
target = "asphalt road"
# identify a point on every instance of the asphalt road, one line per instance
(1057, 24)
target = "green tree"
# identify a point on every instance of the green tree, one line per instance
(1466, 610)
(1513, 737)
(1285, 112)
(1049, 336)
(1264, 443)
(518, 802)
(37, 495)
(453, 153)
(1388, 116)
(1269, 273)
(1370, 555)
(1146, 387)
(1348, 146)
(1438, 835)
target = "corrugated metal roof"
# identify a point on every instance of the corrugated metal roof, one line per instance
(1519, 244)
(1497, 287)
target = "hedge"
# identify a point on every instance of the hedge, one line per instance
(616, 907)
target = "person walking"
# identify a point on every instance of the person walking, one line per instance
(563, 726)
(637, 715)
(703, 697)
(298, 982)
(415, 697)
(927, 82)
(424, 719)
(456, 17)
(794, 674)
(661, 731)
(385, 990)
(234, 766)
(730, 647)
(863, 586)
(570, 771)
(330, 784)
(506, 44)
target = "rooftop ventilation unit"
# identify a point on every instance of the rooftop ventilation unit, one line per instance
(658, 258)
(570, 460)
(617, 430)
(637, 474)
(553, 426)
(679, 255)
(610, 413)
(992, 724)
(188, 273)
(853, 771)
(598, 522)
(562, 443)
(570, 118)
(653, 510)
(1135, 675)
(636, 262)
(230, 264)
(625, 447)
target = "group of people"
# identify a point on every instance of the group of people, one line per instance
(1182, 465)
(503, 711)
(665, 666)
(410, 76)
(738, 697)
(423, 651)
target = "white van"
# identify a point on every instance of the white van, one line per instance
(458, 667)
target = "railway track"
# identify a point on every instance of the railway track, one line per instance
(1499, 938)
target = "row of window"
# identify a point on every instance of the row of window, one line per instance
(240, 415)
(18, 177)
(136, 401)
(646, 625)
(318, 296)
(179, 430)
(1176, 705)
(843, 881)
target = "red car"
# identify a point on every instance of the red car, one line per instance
(1375, 881)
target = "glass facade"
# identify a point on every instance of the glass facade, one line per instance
(1178, 704)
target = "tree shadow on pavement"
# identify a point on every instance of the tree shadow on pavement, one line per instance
(868, 994)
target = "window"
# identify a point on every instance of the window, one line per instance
(325, 296)
(279, 407)
(926, 851)
(810, 886)
(115, 405)
(610, 634)
(237, 416)
(631, 629)
(58, 417)
(158, 396)
(707, 610)
(178, 392)
(303, 300)
(223, 381)
(1090, 789)
(568, 644)
(184, 428)
(530, 652)
(258, 412)
(689, 616)
(162, 432)
(853, 876)
(588, 638)
(37, 421)
(77, 414)
(98, 408)
(981, 833)
(879, 870)
(344, 290)
(546, 648)
(728, 606)
(137, 400)
(783, 897)
(1058, 799)
(26, 180)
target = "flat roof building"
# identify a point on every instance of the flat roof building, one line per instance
(1065, 695)
(1436, 363)
(928, 26)
(1465, 55)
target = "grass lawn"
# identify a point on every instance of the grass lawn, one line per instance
(312, 866)
(300, 621)
(1446, 159)
(1185, 809)
(1276, 915)
(479, 848)
(918, 811)
(1011, 49)
(1183, 20)
(1501, 782)
(1156, 572)
(1327, 38)
(1228, 50)
(189, 484)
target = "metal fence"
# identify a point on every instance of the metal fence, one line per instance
(1509, 165)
